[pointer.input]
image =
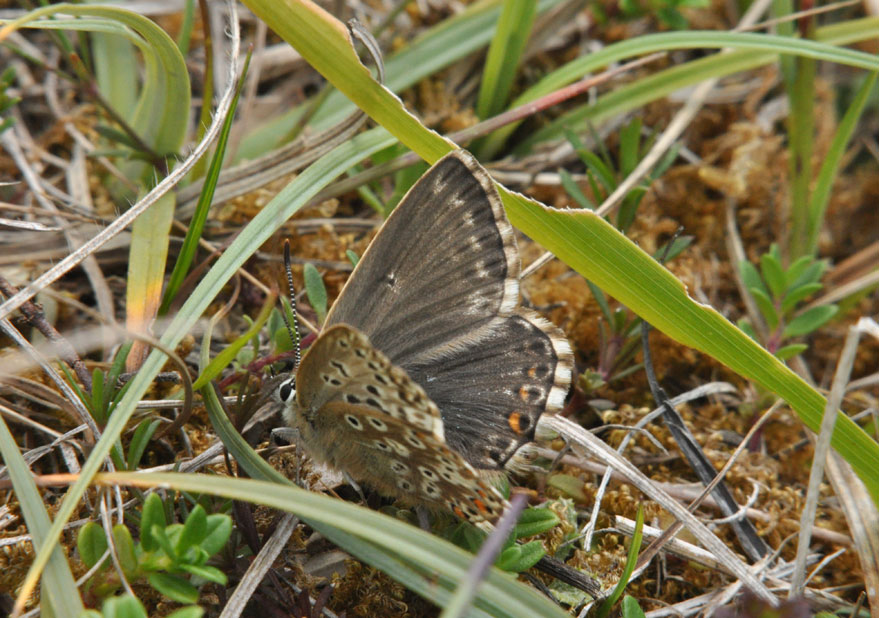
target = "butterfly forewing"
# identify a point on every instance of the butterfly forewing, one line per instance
(369, 419)
(444, 264)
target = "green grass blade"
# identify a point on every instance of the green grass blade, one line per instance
(59, 586)
(504, 53)
(116, 72)
(202, 208)
(830, 166)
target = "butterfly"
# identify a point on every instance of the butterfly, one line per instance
(428, 375)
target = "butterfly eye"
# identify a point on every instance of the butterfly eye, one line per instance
(287, 390)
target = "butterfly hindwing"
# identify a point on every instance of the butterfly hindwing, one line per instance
(444, 263)
(370, 420)
(493, 391)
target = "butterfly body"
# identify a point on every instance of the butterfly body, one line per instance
(428, 374)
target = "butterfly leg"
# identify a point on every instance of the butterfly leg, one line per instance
(423, 518)
(354, 484)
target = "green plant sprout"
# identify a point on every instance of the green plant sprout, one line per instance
(6, 102)
(316, 291)
(171, 557)
(619, 328)
(605, 174)
(127, 606)
(100, 403)
(667, 12)
(515, 557)
(778, 293)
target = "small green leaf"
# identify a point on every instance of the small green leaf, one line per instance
(161, 537)
(194, 530)
(99, 411)
(352, 257)
(192, 611)
(574, 190)
(517, 558)
(140, 440)
(316, 291)
(797, 294)
(746, 328)
(810, 320)
(631, 560)
(631, 609)
(535, 521)
(770, 267)
(767, 308)
(601, 299)
(751, 277)
(209, 573)
(602, 172)
(796, 269)
(125, 548)
(570, 485)
(173, 587)
(811, 274)
(153, 515)
(91, 543)
(123, 607)
(789, 351)
(630, 140)
(219, 531)
(90, 613)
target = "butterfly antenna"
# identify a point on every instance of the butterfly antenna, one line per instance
(294, 330)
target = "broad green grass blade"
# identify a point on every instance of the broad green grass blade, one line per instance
(269, 219)
(585, 242)
(500, 594)
(147, 257)
(59, 586)
(446, 43)
(116, 72)
(504, 53)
